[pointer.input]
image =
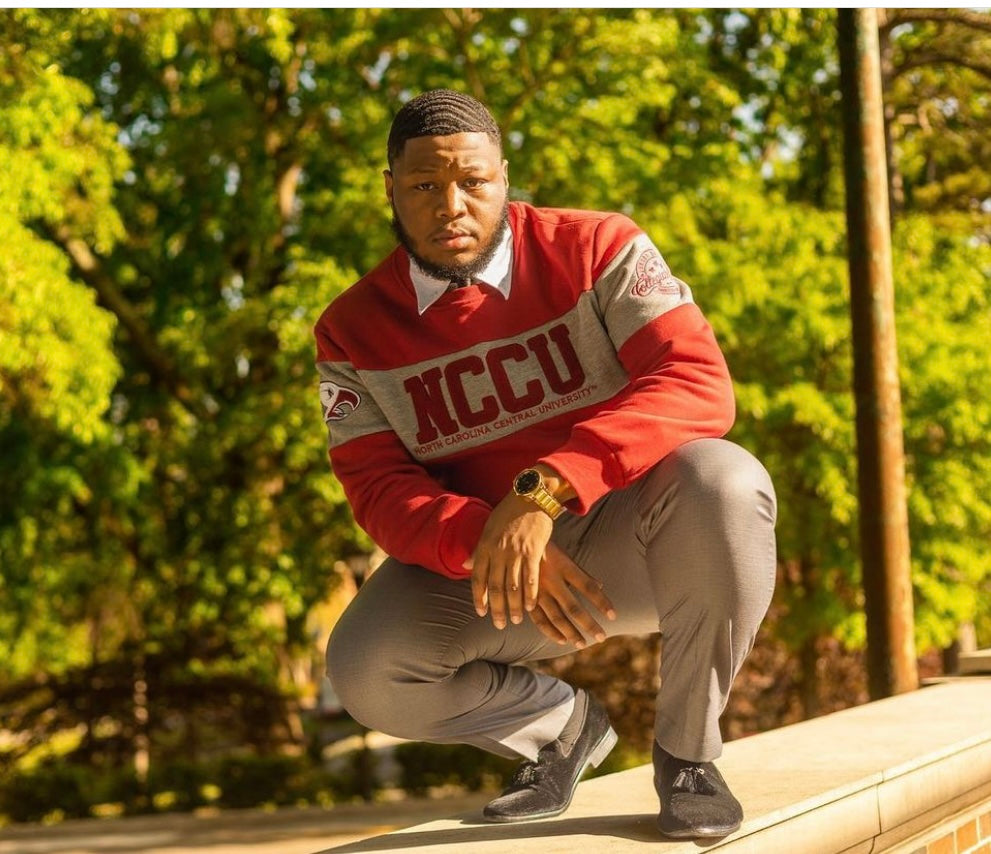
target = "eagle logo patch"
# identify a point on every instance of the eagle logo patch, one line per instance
(338, 401)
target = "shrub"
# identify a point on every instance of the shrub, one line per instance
(246, 781)
(426, 765)
(184, 780)
(32, 795)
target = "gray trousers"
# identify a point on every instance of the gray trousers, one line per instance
(687, 550)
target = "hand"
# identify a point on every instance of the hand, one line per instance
(559, 614)
(506, 562)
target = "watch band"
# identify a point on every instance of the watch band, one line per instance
(547, 502)
(529, 484)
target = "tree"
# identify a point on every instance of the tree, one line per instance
(938, 108)
(58, 162)
(189, 542)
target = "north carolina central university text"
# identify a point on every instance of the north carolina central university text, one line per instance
(508, 421)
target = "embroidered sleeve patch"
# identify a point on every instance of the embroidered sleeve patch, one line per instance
(653, 275)
(338, 402)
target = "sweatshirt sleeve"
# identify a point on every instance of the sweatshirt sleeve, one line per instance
(405, 510)
(679, 385)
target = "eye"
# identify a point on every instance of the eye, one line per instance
(426, 186)
(473, 183)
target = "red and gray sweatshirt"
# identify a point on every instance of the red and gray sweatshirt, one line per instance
(598, 364)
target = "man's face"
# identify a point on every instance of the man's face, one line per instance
(448, 195)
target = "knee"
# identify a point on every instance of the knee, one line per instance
(373, 681)
(339, 662)
(355, 671)
(724, 479)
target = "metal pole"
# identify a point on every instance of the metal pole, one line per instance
(884, 541)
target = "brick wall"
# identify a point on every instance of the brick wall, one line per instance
(965, 833)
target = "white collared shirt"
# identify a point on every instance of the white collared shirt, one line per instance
(497, 274)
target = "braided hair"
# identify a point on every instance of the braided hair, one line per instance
(440, 112)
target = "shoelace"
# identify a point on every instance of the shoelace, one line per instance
(692, 779)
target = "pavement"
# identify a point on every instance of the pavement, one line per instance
(283, 831)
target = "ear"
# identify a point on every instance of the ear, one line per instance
(505, 171)
(388, 184)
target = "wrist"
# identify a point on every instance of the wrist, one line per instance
(555, 484)
(540, 485)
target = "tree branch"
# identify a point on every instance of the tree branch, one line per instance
(286, 185)
(159, 365)
(974, 20)
(562, 53)
(941, 59)
(462, 27)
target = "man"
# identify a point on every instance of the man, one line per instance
(524, 408)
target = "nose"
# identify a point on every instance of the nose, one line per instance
(452, 202)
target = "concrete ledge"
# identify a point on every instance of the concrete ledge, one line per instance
(978, 661)
(861, 780)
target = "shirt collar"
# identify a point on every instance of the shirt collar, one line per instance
(498, 274)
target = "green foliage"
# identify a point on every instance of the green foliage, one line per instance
(56, 368)
(939, 107)
(202, 499)
(245, 782)
(944, 319)
(34, 795)
(56, 789)
(58, 163)
(424, 766)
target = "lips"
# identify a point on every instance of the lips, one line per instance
(453, 239)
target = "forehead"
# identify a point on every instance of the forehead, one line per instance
(459, 150)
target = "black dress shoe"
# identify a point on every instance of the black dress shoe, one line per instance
(695, 800)
(545, 788)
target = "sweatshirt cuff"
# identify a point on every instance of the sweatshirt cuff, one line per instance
(589, 466)
(461, 534)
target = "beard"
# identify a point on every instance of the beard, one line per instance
(460, 273)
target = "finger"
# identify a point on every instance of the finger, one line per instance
(514, 595)
(531, 583)
(480, 586)
(591, 588)
(497, 596)
(546, 627)
(579, 616)
(594, 591)
(560, 621)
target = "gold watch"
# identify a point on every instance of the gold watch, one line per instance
(529, 484)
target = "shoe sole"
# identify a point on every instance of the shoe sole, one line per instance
(601, 751)
(701, 832)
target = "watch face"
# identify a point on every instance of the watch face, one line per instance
(527, 481)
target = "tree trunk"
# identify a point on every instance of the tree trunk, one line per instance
(141, 739)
